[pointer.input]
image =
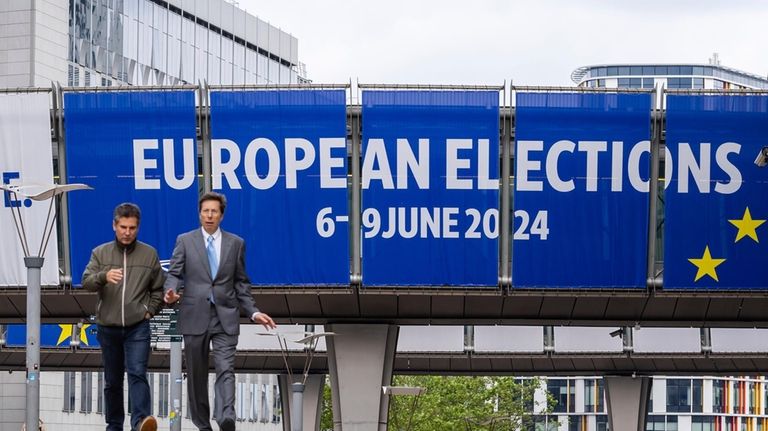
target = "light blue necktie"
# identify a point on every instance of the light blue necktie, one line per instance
(213, 261)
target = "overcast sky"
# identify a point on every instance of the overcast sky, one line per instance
(532, 42)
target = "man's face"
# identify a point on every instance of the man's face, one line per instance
(126, 229)
(210, 215)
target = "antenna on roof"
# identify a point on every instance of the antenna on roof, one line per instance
(715, 60)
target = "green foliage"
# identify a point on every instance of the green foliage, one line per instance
(326, 416)
(501, 403)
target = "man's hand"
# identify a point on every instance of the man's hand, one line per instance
(147, 316)
(114, 276)
(171, 296)
(264, 319)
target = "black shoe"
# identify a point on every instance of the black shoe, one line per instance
(228, 424)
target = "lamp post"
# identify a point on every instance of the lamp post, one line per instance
(413, 391)
(297, 388)
(34, 264)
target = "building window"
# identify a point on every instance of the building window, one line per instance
(751, 393)
(162, 396)
(594, 395)
(564, 394)
(253, 415)
(678, 395)
(543, 423)
(703, 423)
(661, 423)
(698, 83)
(277, 405)
(100, 392)
(647, 82)
(601, 422)
(240, 401)
(575, 423)
(69, 392)
(654, 423)
(697, 396)
(86, 392)
(264, 405)
(718, 396)
(679, 82)
(601, 83)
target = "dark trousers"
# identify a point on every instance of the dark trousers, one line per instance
(125, 350)
(197, 349)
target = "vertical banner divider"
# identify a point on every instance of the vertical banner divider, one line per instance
(356, 278)
(63, 209)
(653, 189)
(204, 120)
(504, 241)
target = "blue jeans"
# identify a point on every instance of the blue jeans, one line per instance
(125, 350)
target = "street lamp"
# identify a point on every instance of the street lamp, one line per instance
(297, 388)
(34, 264)
(413, 391)
(762, 157)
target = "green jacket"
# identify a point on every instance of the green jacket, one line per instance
(140, 291)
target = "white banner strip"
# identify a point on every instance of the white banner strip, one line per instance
(25, 158)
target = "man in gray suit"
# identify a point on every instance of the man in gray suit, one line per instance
(210, 265)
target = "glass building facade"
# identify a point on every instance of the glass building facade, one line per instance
(673, 76)
(156, 42)
(676, 404)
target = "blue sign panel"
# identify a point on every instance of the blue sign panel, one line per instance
(281, 159)
(130, 147)
(430, 188)
(53, 335)
(715, 199)
(580, 190)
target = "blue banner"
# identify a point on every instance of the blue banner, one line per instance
(430, 188)
(580, 190)
(130, 146)
(281, 159)
(53, 335)
(715, 199)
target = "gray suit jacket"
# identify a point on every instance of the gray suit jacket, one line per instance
(231, 287)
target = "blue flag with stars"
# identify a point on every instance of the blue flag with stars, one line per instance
(715, 235)
(54, 335)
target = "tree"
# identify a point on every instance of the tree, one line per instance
(456, 403)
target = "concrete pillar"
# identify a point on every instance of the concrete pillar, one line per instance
(627, 401)
(313, 400)
(360, 360)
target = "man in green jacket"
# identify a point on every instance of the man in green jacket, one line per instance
(127, 276)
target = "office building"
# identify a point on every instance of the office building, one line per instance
(677, 403)
(710, 76)
(141, 42)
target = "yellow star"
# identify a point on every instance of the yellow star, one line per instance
(706, 265)
(66, 333)
(746, 226)
(84, 334)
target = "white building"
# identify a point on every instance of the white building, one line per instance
(141, 42)
(673, 76)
